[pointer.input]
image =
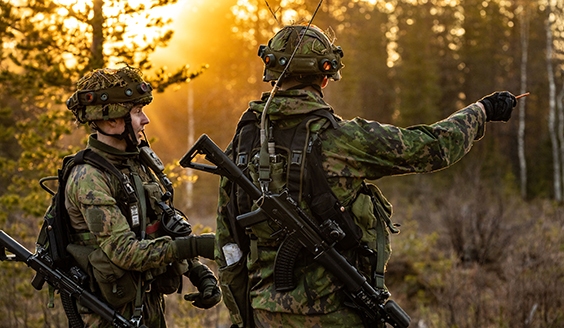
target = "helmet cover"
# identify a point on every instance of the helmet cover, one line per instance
(316, 54)
(109, 93)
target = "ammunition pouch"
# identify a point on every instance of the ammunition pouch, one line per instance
(117, 286)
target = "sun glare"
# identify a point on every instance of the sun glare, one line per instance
(134, 26)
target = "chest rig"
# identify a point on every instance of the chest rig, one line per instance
(145, 197)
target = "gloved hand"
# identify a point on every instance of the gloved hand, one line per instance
(204, 280)
(194, 246)
(498, 106)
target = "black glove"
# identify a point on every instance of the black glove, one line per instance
(194, 246)
(203, 279)
(498, 106)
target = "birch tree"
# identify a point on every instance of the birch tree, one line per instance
(552, 106)
(525, 16)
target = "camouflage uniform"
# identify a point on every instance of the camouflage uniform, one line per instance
(93, 208)
(357, 150)
(127, 234)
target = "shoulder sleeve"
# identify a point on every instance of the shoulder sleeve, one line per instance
(89, 185)
(368, 149)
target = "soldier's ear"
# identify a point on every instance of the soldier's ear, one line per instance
(325, 82)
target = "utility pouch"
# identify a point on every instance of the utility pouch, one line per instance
(234, 285)
(80, 254)
(170, 281)
(372, 213)
(277, 173)
(383, 208)
(117, 286)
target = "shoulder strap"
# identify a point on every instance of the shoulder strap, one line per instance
(301, 146)
(92, 158)
(245, 139)
(96, 160)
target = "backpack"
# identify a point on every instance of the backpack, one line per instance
(297, 165)
(366, 222)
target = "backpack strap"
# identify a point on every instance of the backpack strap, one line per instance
(245, 138)
(323, 202)
(300, 147)
(96, 160)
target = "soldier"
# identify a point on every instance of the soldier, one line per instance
(127, 234)
(303, 135)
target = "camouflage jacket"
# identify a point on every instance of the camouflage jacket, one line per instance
(92, 206)
(358, 149)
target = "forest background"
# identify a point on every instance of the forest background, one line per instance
(481, 243)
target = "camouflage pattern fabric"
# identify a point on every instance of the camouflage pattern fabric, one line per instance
(359, 149)
(93, 208)
(315, 44)
(110, 82)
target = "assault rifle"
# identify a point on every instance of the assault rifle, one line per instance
(301, 232)
(69, 287)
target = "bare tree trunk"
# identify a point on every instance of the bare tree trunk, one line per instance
(521, 132)
(560, 109)
(552, 110)
(97, 47)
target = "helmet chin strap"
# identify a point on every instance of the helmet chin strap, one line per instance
(132, 140)
(128, 133)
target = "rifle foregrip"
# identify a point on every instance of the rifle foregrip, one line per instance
(284, 264)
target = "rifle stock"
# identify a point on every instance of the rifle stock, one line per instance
(301, 232)
(46, 272)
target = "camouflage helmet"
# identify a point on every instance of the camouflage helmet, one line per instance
(109, 93)
(316, 54)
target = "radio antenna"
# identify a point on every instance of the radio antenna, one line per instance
(268, 147)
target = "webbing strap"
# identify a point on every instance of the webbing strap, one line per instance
(380, 255)
(143, 204)
(247, 141)
(139, 299)
(91, 157)
(135, 199)
(297, 159)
